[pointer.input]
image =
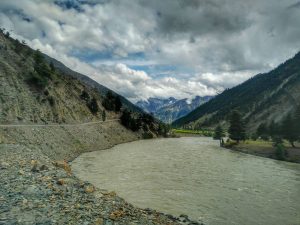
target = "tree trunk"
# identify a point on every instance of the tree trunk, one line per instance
(292, 144)
(221, 142)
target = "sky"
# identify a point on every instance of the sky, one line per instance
(160, 48)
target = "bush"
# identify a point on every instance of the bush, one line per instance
(280, 152)
(253, 137)
(229, 143)
(128, 121)
(85, 96)
(103, 115)
(112, 102)
(37, 81)
(51, 100)
(148, 135)
(93, 106)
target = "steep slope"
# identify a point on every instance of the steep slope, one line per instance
(91, 83)
(43, 115)
(33, 91)
(168, 110)
(265, 97)
(45, 105)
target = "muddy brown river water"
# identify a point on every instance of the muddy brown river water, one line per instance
(194, 176)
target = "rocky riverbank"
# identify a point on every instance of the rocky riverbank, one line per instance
(36, 189)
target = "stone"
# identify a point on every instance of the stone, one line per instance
(99, 221)
(61, 182)
(64, 165)
(34, 166)
(110, 194)
(43, 167)
(90, 189)
(4, 165)
(116, 214)
(33, 191)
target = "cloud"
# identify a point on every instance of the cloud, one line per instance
(160, 48)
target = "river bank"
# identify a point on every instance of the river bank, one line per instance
(266, 149)
(194, 176)
(38, 187)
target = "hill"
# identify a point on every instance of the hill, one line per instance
(170, 109)
(48, 116)
(263, 98)
(45, 105)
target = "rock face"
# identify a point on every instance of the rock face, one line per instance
(168, 110)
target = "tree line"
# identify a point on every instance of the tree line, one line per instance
(287, 129)
(134, 121)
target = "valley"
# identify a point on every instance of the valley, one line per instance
(149, 112)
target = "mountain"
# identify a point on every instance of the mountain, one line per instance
(45, 105)
(170, 109)
(46, 91)
(91, 83)
(48, 116)
(263, 98)
(153, 104)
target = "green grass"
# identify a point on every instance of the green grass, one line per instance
(207, 133)
(260, 143)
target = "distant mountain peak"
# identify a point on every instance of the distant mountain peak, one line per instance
(170, 109)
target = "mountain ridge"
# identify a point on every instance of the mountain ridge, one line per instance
(169, 109)
(260, 98)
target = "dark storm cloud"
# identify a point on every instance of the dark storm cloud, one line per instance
(295, 5)
(199, 17)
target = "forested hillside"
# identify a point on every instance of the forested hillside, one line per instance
(264, 98)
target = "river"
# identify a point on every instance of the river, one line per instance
(194, 176)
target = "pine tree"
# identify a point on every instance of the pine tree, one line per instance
(297, 123)
(289, 128)
(103, 115)
(219, 134)
(262, 131)
(237, 128)
(118, 104)
(52, 67)
(93, 106)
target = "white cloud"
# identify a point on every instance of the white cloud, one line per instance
(213, 46)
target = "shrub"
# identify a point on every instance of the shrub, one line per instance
(148, 135)
(93, 106)
(85, 96)
(229, 143)
(280, 152)
(112, 102)
(103, 115)
(51, 100)
(36, 80)
(128, 121)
